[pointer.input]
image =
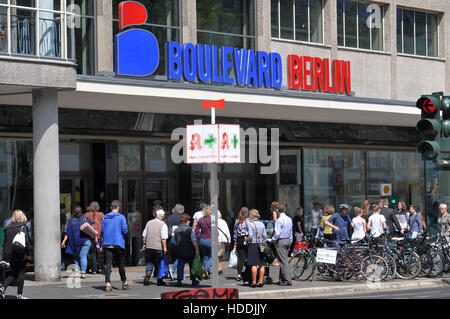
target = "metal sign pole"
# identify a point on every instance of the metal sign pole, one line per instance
(214, 217)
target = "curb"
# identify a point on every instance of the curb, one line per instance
(345, 290)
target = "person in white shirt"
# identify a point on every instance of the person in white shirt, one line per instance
(224, 239)
(198, 215)
(316, 216)
(283, 237)
(377, 222)
(359, 226)
(155, 237)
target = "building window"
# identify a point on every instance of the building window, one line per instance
(417, 32)
(331, 177)
(226, 23)
(22, 21)
(81, 35)
(300, 20)
(403, 171)
(163, 21)
(360, 25)
(129, 157)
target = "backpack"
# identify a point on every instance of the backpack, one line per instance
(19, 243)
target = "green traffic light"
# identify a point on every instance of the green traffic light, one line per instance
(445, 107)
(430, 150)
(393, 201)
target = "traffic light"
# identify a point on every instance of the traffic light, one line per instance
(445, 107)
(429, 126)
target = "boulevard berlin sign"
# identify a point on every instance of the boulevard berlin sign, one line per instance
(137, 54)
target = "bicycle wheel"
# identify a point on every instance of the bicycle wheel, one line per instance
(296, 266)
(392, 266)
(408, 266)
(375, 268)
(308, 263)
(438, 261)
(426, 262)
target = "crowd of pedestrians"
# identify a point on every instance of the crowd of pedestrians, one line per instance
(181, 239)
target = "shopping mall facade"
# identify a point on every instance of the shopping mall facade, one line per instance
(75, 129)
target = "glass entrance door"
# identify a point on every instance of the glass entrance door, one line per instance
(75, 191)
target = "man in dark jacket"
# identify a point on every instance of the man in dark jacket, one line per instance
(391, 220)
(186, 248)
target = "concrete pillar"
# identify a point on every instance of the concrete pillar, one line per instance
(105, 44)
(390, 42)
(263, 25)
(47, 236)
(188, 21)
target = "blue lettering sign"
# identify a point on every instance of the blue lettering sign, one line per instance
(203, 62)
(173, 60)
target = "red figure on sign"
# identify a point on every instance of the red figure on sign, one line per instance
(131, 13)
(196, 141)
(225, 141)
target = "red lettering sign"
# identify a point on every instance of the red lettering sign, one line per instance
(210, 293)
(316, 74)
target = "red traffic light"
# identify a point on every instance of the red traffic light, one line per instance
(426, 105)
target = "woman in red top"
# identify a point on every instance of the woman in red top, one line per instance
(97, 218)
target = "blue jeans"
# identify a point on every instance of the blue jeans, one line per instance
(82, 254)
(205, 251)
(175, 263)
(180, 268)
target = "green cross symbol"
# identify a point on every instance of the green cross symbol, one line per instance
(210, 141)
(235, 141)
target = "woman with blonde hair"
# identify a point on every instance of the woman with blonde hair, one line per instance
(16, 258)
(256, 236)
(327, 230)
(359, 226)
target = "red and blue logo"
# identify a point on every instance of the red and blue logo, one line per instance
(137, 50)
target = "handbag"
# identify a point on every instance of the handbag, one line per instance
(197, 268)
(163, 268)
(88, 229)
(233, 261)
(261, 246)
(19, 244)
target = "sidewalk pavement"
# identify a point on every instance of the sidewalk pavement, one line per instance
(93, 287)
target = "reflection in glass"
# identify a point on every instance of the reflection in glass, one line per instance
(421, 33)
(350, 23)
(340, 22)
(363, 27)
(399, 30)
(316, 23)
(157, 159)
(234, 17)
(274, 18)
(408, 31)
(287, 19)
(301, 20)
(129, 158)
(332, 177)
(3, 30)
(16, 179)
(133, 196)
(432, 30)
(404, 170)
(161, 12)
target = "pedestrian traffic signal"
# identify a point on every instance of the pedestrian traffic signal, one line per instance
(429, 126)
(445, 107)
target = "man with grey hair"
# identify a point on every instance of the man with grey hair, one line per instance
(198, 215)
(173, 222)
(154, 238)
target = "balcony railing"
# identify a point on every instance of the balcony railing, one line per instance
(21, 26)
